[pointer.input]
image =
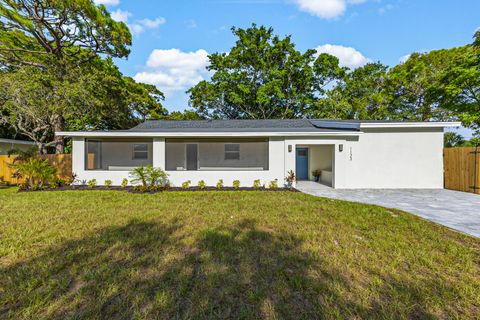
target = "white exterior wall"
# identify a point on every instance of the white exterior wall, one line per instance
(339, 158)
(395, 158)
(379, 158)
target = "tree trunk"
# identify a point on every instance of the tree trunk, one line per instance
(41, 148)
(58, 125)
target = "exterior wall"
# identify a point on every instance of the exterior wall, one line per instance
(379, 158)
(338, 158)
(276, 167)
(395, 158)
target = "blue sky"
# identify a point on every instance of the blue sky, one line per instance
(171, 39)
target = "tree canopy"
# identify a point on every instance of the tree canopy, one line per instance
(54, 33)
(53, 77)
(263, 76)
(358, 95)
(58, 37)
(96, 96)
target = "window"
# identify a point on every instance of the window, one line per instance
(232, 151)
(140, 151)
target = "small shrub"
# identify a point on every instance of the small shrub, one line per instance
(58, 182)
(92, 183)
(36, 171)
(186, 184)
(108, 183)
(124, 183)
(139, 176)
(201, 184)
(23, 187)
(141, 188)
(220, 184)
(257, 184)
(290, 179)
(73, 179)
(236, 184)
(317, 173)
(273, 184)
(156, 177)
(148, 176)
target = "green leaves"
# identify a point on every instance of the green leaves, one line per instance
(61, 31)
(263, 76)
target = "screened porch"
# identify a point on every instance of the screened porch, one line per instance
(117, 154)
(216, 154)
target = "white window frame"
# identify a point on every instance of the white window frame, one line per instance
(136, 152)
(231, 152)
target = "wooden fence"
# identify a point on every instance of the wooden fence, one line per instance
(462, 169)
(62, 161)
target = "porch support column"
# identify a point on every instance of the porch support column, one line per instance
(159, 153)
(78, 155)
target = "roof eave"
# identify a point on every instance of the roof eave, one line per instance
(112, 134)
(371, 125)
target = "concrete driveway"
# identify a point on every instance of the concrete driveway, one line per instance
(456, 210)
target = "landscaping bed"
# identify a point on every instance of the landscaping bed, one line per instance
(133, 189)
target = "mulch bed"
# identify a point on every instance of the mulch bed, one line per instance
(175, 189)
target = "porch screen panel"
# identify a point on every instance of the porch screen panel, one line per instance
(219, 155)
(117, 155)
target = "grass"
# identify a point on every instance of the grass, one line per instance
(204, 255)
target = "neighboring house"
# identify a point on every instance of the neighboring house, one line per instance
(9, 144)
(350, 154)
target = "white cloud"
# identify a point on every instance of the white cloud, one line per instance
(385, 8)
(404, 58)
(139, 26)
(136, 28)
(152, 24)
(107, 2)
(348, 56)
(120, 15)
(326, 9)
(191, 24)
(173, 70)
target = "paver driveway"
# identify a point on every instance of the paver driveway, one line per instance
(456, 210)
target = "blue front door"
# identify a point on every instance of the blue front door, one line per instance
(301, 166)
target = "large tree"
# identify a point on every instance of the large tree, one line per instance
(57, 37)
(263, 76)
(414, 85)
(95, 96)
(460, 85)
(359, 95)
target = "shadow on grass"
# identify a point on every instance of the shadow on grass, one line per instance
(153, 270)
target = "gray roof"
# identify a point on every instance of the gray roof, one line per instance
(284, 125)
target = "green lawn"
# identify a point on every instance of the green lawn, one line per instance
(203, 255)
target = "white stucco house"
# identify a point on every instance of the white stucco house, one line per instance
(350, 154)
